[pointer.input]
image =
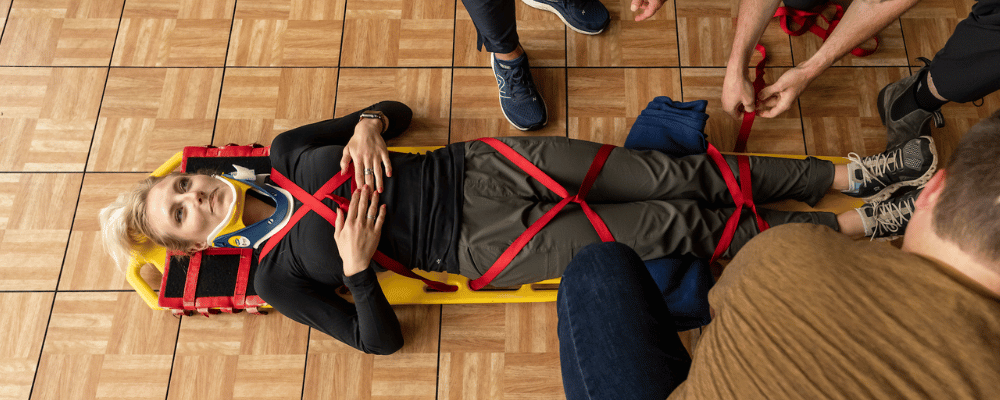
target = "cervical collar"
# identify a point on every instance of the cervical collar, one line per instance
(232, 232)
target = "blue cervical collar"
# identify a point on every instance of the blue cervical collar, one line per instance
(259, 231)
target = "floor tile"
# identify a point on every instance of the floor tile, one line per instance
(476, 109)
(542, 36)
(231, 356)
(150, 114)
(23, 317)
(781, 135)
(105, 345)
(625, 42)
(705, 30)
(603, 103)
(396, 33)
(36, 211)
(338, 371)
(286, 33)
(891, 50)
(839, 118)
(958, 118)
(259, 103)
(60, 32)
(426, 91)
(174, 33)
(87, 265)
(48, 117)
(491, 351)
(929, 24)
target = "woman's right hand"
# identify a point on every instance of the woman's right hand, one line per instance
(357, 233)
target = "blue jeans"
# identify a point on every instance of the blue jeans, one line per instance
(616, 338)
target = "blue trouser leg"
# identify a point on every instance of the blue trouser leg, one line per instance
(616, 338)
(496, 24)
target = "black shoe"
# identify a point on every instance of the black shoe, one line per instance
(520, 101)
(914, 123)
(876, 177)
(588, 17)
(888, 220)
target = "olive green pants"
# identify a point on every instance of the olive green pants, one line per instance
(658, 205)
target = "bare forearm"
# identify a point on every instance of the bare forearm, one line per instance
(862, 20)
(753, 18)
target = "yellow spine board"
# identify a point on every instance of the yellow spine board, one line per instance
(402, 290)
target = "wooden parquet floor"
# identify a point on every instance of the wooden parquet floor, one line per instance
(94, 94)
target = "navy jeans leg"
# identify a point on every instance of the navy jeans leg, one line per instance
(616, 338)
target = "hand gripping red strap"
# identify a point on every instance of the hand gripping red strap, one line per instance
(313, 203)
(602, 230)
(742, 196)
(807, 22)
(748, 117)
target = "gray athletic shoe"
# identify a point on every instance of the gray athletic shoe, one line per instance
(914, 123)
(888, 220)
(876, 177)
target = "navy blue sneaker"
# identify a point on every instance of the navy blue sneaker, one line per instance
(588, 17)
(519, 99)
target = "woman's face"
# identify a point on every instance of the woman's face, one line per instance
(188, 207)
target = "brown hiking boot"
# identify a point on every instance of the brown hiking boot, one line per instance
(913, 124)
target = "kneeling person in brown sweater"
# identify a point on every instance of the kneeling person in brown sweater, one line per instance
(804, 312)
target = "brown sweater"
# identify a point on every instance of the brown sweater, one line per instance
(803, 312)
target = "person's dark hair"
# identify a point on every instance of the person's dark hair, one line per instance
(968, 209)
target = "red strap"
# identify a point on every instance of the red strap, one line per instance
(313, 203)
(595, 169)
(807, 22)
(742, 195)
(748, 117)
(191, 283)
(242, 279)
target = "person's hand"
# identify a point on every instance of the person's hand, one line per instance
(370, 155)
(737, 95)
(778, 97)
(357, 233)
(649, 7)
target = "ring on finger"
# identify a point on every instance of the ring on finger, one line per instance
(369, 171)
(370, 217)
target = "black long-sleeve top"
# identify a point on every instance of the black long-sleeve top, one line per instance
(423, 197)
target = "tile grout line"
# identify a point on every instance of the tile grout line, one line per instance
(305, 364)
(451, 94)
(680, 69)
(225, 63)
(173, 358)
(76, 207)
(7, 19)
(437, 382)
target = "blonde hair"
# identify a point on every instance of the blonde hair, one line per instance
(125, 229)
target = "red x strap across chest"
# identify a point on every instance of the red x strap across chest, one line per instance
(313, 202)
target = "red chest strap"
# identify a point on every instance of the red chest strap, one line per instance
(313, 203)
(533, 171)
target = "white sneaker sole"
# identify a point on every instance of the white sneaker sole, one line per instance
(493, 64)
(542, 6)
(919, 182)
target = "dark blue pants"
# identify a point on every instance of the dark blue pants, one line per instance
(616, 338)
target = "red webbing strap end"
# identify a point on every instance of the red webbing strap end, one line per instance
(398, 268)
(747, 189)
(242, 279)
(748, 117)
(191, 283)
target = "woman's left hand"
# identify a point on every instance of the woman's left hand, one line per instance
(357, 233)
(370, 155)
